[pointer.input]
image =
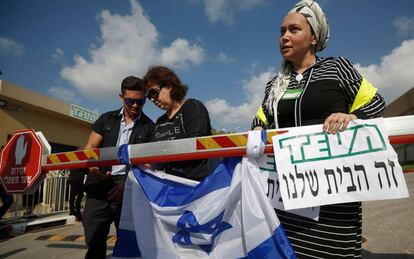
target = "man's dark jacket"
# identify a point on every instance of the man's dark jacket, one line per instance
(108, 125)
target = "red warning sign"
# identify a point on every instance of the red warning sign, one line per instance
(20, 162)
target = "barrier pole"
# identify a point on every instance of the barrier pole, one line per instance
(400, 130)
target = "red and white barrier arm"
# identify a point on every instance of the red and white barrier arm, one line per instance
(400, 130)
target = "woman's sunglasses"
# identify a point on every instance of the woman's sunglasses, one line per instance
(131, 102)
(153, 93)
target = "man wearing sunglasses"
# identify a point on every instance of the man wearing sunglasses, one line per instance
(105, 186)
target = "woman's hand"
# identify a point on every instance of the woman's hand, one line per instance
(337, 122)
(258, 128)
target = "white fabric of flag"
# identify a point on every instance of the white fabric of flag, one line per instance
(227, 215)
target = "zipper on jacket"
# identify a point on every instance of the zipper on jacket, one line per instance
(298, 102)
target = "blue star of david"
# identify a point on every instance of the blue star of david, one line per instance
(188, 223)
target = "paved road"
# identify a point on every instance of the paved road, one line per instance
(388, 227)
(60, 243)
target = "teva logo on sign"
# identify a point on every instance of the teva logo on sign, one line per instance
(20, 162)
(82, 113)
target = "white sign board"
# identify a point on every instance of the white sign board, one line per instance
(358, 164)
(271, 185)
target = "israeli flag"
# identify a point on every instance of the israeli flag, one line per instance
(227, 215)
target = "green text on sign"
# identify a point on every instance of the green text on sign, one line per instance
(323, 146)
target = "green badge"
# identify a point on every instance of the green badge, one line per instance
(292, 94)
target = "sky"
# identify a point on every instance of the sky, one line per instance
(79, 51)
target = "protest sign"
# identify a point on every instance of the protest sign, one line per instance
(271, 185)
(358, 164)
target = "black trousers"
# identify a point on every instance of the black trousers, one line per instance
(7, 200)
(75, 198)
(98, 215)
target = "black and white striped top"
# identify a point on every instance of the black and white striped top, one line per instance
(337, 234)
(332, 87)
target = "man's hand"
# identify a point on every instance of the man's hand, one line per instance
(94, 141)
(337, 122)
(97, 173)
(116, 194)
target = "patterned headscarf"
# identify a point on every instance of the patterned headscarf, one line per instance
(319, 23)
(317, 20)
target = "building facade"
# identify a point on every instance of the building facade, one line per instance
(65, 126)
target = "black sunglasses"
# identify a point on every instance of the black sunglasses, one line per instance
(130, 101)
(153, 93)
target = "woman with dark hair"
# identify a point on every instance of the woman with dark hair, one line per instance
(314, 90)
(183, 118)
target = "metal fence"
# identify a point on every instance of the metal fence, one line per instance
(52, 196)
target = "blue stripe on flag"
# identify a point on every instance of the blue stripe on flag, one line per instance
(264, 136)
(166, 193)
(126, 244)
(276, 246)
(123, 155)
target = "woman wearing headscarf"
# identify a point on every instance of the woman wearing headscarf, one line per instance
(310, 89)
(183, 118)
